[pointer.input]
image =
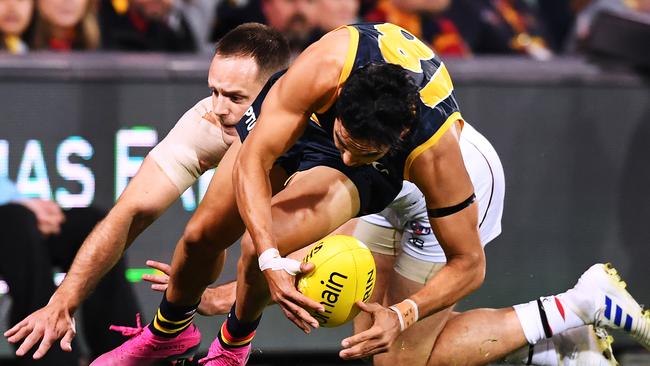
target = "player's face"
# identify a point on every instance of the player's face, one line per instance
(63, 13)
(355, 152)
(15, 16)
(234, 83)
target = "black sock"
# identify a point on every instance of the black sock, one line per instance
(237, 333)
(170, 320)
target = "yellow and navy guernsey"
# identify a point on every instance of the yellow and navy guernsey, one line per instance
(380, 182)
(388, 43)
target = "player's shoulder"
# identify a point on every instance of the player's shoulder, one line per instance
(329, 52)
(322, 63)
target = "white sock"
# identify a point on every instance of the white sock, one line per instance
(542, 318)
(542, 353)
(560, 316)
(529, 319)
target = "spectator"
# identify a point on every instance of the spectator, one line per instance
(293, 18)
(500, 27)
(36, 236)
(333, 14)
(15, 16)
(558, 18)
(426, 20)
(64, 25)
(586, 11)
(200, 17)
(145, 25)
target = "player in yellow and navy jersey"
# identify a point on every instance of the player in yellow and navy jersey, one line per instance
(366, 107)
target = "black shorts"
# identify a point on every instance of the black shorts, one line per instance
(316, 148)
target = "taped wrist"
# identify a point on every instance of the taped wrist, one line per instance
(271, 259)
(407, 312)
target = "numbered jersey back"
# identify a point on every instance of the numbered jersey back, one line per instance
(388, 43)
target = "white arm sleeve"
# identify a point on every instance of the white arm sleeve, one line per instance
(194, 145)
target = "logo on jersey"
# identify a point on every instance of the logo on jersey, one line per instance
(416, 242)
(419, 229)
(380, 168)
(252, 118)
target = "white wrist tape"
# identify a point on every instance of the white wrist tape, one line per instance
(271, 259)
(407, 312)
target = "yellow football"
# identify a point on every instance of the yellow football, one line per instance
(345, 273)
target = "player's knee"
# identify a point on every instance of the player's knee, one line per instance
(197, 236)
(248, 265)
(478, 266)
(248, 250)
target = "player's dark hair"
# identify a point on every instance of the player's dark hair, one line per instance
(378, 103)
(266, 45)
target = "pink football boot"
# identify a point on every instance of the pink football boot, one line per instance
(220, 356)
(146, 348)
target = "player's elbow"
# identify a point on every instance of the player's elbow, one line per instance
(143, 213)
(471, 266)
(475, 264)
(132, 215)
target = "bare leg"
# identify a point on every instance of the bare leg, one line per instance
(413, 346)
(471, 338)
(315, 203)
(478, 337)
(199, 255)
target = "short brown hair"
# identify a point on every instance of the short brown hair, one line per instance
(264, 44)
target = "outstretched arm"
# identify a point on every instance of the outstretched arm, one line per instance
(447, 184)
(149, 193)
(441, 176)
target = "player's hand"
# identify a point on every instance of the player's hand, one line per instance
(214, 301)
(159, 282)
(52, 322)
(218, 300)
(378, 338)
(49, 215)
(291, 301)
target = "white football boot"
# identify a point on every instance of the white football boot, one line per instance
(600, 298)
(584, 346)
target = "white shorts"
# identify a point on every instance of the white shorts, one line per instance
(403, 229)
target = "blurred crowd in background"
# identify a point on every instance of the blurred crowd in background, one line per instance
(454, 28)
